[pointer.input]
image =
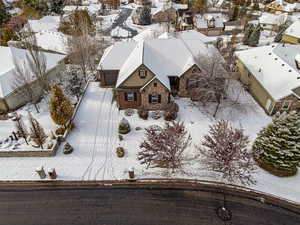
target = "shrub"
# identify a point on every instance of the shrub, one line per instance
(172, 107)
(121, 137)
(138, 128)
(60, 131)
(143, 114)
(124, 126)
(156, 115)
(129, 112)
(170, 115)
(120, 152)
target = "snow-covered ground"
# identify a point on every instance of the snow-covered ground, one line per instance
(95, 140)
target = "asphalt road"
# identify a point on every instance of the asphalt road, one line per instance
(138, 204)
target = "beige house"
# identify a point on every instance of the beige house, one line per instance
(145, 74)
(272, 76)
(10, 98)
(292, 33)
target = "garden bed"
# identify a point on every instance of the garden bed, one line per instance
(276, 171)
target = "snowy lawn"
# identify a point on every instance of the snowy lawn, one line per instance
(95, 140)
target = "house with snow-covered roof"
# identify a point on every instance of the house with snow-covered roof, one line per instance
(210, 23)
(269, 21)
(146, 73)
(272, 74)
(10, 96)
(50, 23)
(280, 6)
(292, 33)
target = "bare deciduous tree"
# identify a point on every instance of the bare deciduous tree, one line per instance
(210, 84)
(21, 128)
(23, 83)
(36, 60)
(82, 48)
(224, 150)
(165, 147)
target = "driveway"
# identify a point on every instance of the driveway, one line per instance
(95, 134)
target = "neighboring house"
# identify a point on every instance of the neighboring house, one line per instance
(50, 23)
(10, 98)
(169, 12)
(186, 21)
(145, 74)
(93, 9)
(272, 22)
(272, 75)
(233, 27)
(210, 23)
(292, 33)
(280, 6)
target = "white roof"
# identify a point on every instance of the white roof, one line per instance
(269, 18)
(164, 57)
(53, 41)
(202, 20)
(92, 8)
(115, 55)
(50, 23)
(189, 35)
(274, 67)
(7, 55)
(294, 29)
(146, 35)
(288, 7)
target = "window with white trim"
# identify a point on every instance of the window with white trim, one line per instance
(130, 97)
(286, 104)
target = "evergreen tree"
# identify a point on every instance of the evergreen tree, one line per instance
(282, 29)
(37, 133)
(254, 37)
(56, 6)
(248, 30)
(61, 109)
(145, 16)
(199, 5)
(235, 13)
(74, 85)
(6, 35)
(4, 15)
(278, 144)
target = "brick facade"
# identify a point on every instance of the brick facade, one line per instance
(155, 87)
(123, 103)
(183, 91)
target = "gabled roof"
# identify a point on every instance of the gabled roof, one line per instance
(269, 18)
(188, 35)
(294, 29)
(274, 67)
(7, 55)
(163, 57)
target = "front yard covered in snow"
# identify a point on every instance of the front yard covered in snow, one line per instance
(95, 139)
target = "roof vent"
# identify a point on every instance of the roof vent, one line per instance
(259, 70)
(270, 53)
(290, 70)
(282, 64)
(276, 58)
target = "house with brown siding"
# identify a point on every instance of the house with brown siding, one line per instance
(272, 74)
(146, 73)
(292, 33)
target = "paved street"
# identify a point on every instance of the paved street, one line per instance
(147, 203)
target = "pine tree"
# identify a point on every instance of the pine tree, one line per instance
(74, 84)
(61, 109)
(248, 30)
(37, 133)
(199, 5)
(254, 37)
(4, 15)
(21, 128)
(235, 13)
(278, 144)
(282, 29)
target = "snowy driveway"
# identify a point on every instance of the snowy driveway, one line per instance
(95, 135)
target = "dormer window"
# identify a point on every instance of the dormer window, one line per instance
(142, 73)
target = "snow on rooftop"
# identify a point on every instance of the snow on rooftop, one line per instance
(294, 29)
(53, 41)
(202, 19)
(189, 35)
(93, 9)
(272, 67)
(7, 55)
(116, 55)
(269, 18)
(50, 23)
(164, 57)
